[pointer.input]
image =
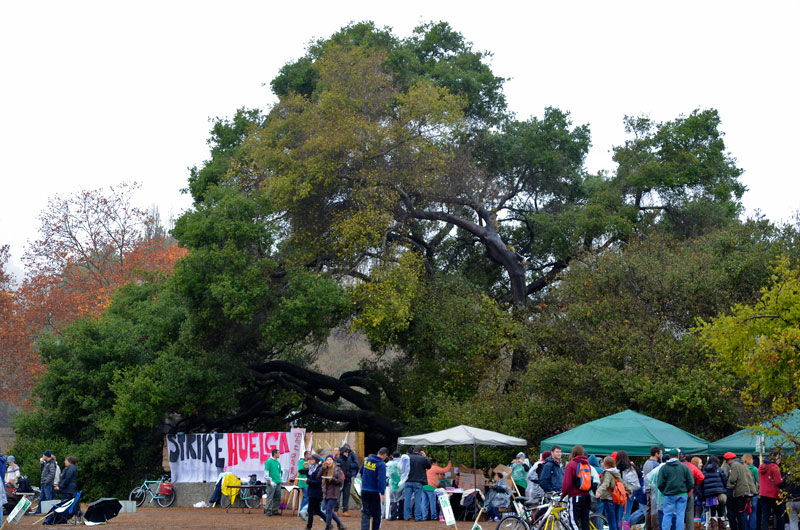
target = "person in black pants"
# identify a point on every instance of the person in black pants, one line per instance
(68, 484)
(373, 485)
(314, 490)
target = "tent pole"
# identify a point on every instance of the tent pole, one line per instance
(475, 465)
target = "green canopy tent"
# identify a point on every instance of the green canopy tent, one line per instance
(628, 430)
(745, 441)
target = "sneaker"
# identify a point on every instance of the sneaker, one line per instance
(303, 516)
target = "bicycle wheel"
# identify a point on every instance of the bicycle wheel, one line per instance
(597, 521)
(166, 500)
(225, 501)
(513, 522)
(548, 523)
(253, 501)
(137, 495)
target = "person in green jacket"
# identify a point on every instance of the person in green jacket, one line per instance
(675, 481)
(272, 476)
(752, 518)
(302, 482)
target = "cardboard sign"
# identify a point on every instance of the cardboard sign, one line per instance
(447, 510)
(19, 510)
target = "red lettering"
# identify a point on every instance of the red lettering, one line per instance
(253, 451)
(232, 459)
(264, 454)
(241, 445)
(284, 443)
(268, 437)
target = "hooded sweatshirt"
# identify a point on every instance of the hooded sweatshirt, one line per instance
(608, 481)
(568, 486)
(769, 479)
(674, 478)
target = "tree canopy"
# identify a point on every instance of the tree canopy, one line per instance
(389, 192)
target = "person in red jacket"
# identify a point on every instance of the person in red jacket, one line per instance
(690, 497)
(580, 503)
(769, 481)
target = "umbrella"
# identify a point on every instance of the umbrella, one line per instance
(102, 510)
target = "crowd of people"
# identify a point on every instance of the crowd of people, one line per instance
(669, 492)
(56, 484)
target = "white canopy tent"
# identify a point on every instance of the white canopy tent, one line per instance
(463, 435)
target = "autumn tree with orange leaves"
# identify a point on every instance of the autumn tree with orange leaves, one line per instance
(91, 242)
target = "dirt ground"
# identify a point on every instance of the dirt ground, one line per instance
(235, 518)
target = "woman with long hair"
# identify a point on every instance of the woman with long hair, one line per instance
(630, 476)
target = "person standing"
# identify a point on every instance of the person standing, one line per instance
(12, 471)
(349, 462)
(753, 519)
(742, 486)
(3, 497)
(770, 480)
(272, 477)
(712, 491)
(675, 480)
(519, 470)
(68, 484)
(698, 476)
(630, 476)
(651, 514)
(48, 465)
(608, 481)
(433, 475)
(552, 474)
(302, 482)
(394, 476)
(314, 490)
(332, 479)
(373, 486)
(579, 502)
(418, 464)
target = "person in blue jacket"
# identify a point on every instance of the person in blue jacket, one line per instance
(373, 486)
(552, 474)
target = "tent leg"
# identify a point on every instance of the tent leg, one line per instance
(475, 465)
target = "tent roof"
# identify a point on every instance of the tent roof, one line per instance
(628, 430)
(462, 435)
(744, 441)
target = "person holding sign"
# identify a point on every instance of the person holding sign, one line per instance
(373, 484)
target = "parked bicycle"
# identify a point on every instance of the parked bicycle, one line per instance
(164, 493)
(553, 514)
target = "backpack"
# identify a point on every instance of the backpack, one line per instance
(619, 496)
(583, 477)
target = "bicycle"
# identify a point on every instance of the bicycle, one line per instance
(164, 492)
(555, 516)
(249, 493)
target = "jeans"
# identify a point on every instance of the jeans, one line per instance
(47, 494)
(420, 501)
(611, 511)
(304, 502)
(628, 508)
(346, 493)
(752, 519)
(430, 497)
(674, 510)
(330, 507)
(493, 513)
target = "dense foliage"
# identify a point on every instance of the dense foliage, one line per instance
(498, 283)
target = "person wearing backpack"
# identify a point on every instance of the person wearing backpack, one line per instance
(576, 486)
(612, 493)
(630, 475)
(675, 481)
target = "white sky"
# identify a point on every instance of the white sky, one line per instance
(94, 93)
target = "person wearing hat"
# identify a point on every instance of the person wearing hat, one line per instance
(48, 465)
(519, 471)
(742, 486)
(675, 481)
(314, 490)
(332, 479)
(12, 471)
(349, 462)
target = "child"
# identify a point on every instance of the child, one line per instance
(608, 480)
